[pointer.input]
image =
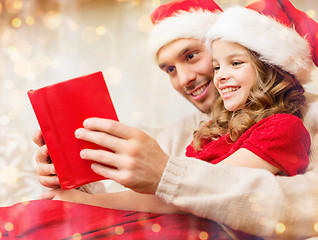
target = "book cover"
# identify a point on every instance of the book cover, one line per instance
(60, 109)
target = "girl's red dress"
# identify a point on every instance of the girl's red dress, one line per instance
(280, 139)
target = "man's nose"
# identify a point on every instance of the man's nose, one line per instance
(186, 76)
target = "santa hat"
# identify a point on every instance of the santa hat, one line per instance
(181, 19)
(284, 12)
(276, 43)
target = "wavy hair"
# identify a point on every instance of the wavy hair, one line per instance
(275, 91)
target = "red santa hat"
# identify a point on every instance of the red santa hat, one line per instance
(276, 43)
(284, 12)
(181, 19)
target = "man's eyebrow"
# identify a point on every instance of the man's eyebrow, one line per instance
(162, 66)
(184, 51)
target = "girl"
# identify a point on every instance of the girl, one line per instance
(258, 65)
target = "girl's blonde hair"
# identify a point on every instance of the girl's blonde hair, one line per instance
(275, 91)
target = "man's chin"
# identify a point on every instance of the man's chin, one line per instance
(202, 108)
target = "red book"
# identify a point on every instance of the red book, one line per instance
(60, 109)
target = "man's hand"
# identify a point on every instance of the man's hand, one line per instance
(44, 167)
(137, 160)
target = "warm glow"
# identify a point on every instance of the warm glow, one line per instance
(114, 76)
(9, 175)
(29, 20)
(13, 6)
(155, 3)
(8, 226)
(25, 200)
(52, 20)
(101, 30)
(77, 236)
(16, 22)
(119, 230)
(311, 13)
(144, 23)
(156, 227)
(280, 228)
(89, 35)
(316, 226)
(203, 235)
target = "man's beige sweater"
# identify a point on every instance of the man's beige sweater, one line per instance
(250, 200)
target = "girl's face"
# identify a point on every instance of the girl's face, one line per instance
(234, 73)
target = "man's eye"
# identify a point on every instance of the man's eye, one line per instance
(170, 69)
(191, 55)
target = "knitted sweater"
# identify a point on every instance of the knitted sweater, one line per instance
(250, 200)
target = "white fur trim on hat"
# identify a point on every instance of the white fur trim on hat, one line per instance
(312, 114)
(193, 24)
(277, 44)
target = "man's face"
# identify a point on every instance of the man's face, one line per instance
(189, 66)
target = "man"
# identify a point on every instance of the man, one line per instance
(257, 201)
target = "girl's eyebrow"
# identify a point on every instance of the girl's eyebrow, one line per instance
(238, 54)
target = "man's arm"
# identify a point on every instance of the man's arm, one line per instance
(250, 200)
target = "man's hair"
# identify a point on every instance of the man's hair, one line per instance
(275, 91)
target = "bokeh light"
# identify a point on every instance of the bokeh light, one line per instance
(8, 226)
(119, 230)
(280, 228)
(77, 236)
(16, 22)
(29, 20)
(52, 20)
(9, 175)
(13, 6)
(203, 235)
(156, 227)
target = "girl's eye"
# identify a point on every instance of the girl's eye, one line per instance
(236, 63)
(216, 68)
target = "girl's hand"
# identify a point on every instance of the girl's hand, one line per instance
(66, 195)
(44, 167)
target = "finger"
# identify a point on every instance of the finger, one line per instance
(101, 156)
(38, 138)
(45, 169)
(42, 155)
(110, 126)
(49, 194)
(49, 181)
(120, 176)
(101, 138)
(107, 172)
